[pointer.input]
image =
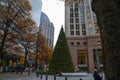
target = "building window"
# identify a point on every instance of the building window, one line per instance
(77, 32)
(71, 9)
(84, 43)
(81, 0)
(83, 27)
(71, 26)
(81, 57)
(71, 14)
(100, 56)
(71, 5)
(77, 20)
(97, 30)
(71, 43)
(71, 20)
(82, 19)
(72, 32)
(99, 42)
(95, 18)
(77, 26)
(78, 43)
(87, 7)
(76, 15)
(76, 4)
(76, 9)
(84, 32)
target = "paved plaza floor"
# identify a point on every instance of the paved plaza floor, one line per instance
(32, 76)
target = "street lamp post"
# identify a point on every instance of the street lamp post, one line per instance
(37, 47)
(36, 60)
(97, 59)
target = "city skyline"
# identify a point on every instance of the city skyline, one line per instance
(55, 11)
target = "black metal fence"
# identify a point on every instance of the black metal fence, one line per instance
(63, 77)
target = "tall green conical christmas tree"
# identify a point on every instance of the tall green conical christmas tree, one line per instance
(61, 58)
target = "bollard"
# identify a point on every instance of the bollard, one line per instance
(65, 78)
(80, 78)
(46, 77)
(41, 76)
(54, 77)
(37, 74)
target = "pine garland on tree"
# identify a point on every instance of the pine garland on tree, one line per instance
(61, 58)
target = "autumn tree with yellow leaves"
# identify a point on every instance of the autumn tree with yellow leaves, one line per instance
(47, 54)
(27, 41)
(19, 33)
(15, 19)
(43, 52)
(39, 46)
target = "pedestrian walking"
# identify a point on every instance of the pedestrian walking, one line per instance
(29, 69)
(96, 75)
(11, 66)
(17, 66)
(21, 69)
(60, 73)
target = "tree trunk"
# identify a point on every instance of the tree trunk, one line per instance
(2, 44)
(26, 54)
(36, 59)
(108, 15)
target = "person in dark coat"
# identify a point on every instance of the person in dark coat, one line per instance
(96, 76)
(17, 66)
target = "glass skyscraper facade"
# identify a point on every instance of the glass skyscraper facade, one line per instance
(47, 29)
(36, 10)
(83, 35)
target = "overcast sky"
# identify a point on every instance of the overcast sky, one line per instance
(55, 12)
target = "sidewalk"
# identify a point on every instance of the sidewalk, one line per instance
(13, 74)
(25, 76)
(32, 76)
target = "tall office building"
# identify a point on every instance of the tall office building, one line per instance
(47, 29)
(83, 35)
(36, 10)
